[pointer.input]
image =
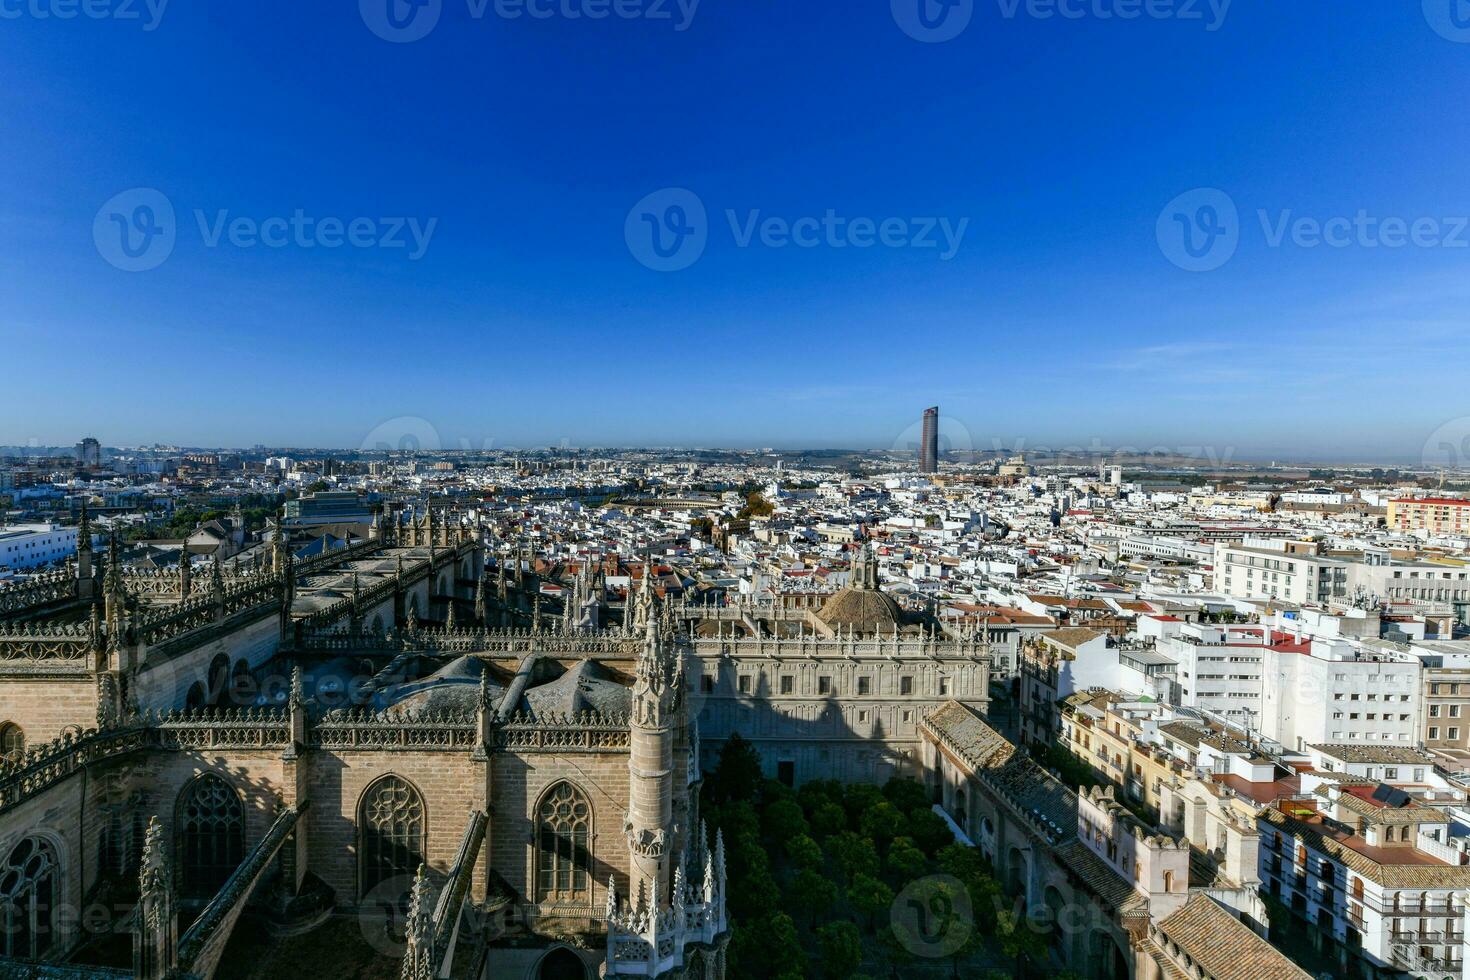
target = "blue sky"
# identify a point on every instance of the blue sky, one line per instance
(523, 144)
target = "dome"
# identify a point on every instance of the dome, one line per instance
(865, 610)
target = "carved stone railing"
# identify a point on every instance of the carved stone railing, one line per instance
(47, 765)
(33, 649)
(890, 647)
(586, 732)
(491, 641)
(358, 728)
(201, 947)
(155, 626)
(38, 591)
(245, 728)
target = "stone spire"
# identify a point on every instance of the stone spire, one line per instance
(418, 957)
(480, 604)
(156, 932)
(186, 568)
(451, 620)
(650, 821)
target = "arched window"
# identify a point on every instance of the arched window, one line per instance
(390, 826)
(211, 835)
(28, 887)
(564, 827)
(196, 696)
(12, 743)
(219, 673)
(562, 964)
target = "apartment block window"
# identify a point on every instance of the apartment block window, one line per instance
(824, 685)
(1454, 711)
(1434, 733)
(1434, 711)
(788, 683)
(1454, 734)
(1391, 772)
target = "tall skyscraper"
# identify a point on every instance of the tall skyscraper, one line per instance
(89, 452)
(929, 447)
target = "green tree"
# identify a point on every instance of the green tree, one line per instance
(813, 893)
(737, 776)
(905, 861)
(1018, 940)
(882, 822)
(859, 798)
(906, 794)
(842, 949)
(769, 947)
(829, 819)
(804, 852)
(853, 855)
(929, 831)
(869, 896)
(783, 820)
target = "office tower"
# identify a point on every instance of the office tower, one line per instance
(929, 447)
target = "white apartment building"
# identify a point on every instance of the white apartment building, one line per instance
(25, 546)
(1279, 570)
(1294, 689)
(1373, 871)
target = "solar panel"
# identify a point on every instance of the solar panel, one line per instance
(1389, 796)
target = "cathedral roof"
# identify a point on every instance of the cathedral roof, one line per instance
(866, 610)
(455, 685)
(586, 686)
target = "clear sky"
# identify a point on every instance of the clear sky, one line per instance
(528, 311)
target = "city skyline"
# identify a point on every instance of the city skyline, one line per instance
(1050, 295)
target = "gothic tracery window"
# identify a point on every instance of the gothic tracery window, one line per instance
(12, 743)
(391, 832)
(564, 823)
(28, 886)
(211, 832)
